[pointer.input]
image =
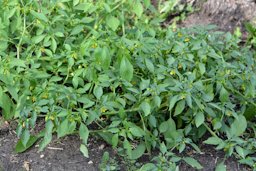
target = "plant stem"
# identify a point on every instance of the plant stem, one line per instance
(22, 34)
(116, 112)
(209, 129)
(241, 95)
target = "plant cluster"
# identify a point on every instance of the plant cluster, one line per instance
(108, 68)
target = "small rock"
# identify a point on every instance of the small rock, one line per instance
(101, 147)
(90, 162)
(26, 165)
(41, 156)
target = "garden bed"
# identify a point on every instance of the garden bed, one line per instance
(64, 154)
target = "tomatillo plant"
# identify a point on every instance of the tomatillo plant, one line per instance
(107, 68)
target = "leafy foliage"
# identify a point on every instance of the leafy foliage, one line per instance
(109, 68)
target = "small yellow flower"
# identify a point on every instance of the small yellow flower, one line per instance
(103, 110)
(51, 117)
(74, 55)
(45, 96)
(180, 66)
(243, 87)
(94, 45)
(187, 40)
(33, 99)
(179, 34)
(173, 72)
(229, 113)
(183, 96)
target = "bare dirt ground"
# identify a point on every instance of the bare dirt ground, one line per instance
(227, 15)
(64, 154)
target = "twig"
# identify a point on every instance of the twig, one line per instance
(54, 148)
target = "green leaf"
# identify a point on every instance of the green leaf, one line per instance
(213, 141)
(47, 135)
(19, 148)
(6, 105)
(38, 39)
(107, 136)
(180, 107)
(224, 95)
(11, 12)
(126, 69)
(144, 84)
(104, 161)
(17, 63)
(75, 81)
(199, 119)
(192, 162)
(147, 3)
(107, 7)
(76, 30)
(201, 68)
(75, 2)
(59, 34)
(238, 126)
(138, 9)
(87, 102)
(98, 91)
(14, 92)
(137, 131)
(250, 113)
(127, 146)
(163, 148)
(164, 126)
(25, 137)
(113, 22)
(148, 167)
(63, 128)
(150, 65)
(84, 150)
(173, 101)
(53, 45)
(152, 120)
(138, 151)
(168, 125)
(83, 133)
(145, 107)
(157, 101)
(103, 57)
(240, 151)
(114, 140)
(189, 101)
(39, 16)
(221, 167)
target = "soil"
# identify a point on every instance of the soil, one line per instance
(227, 15)
(64, 154)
